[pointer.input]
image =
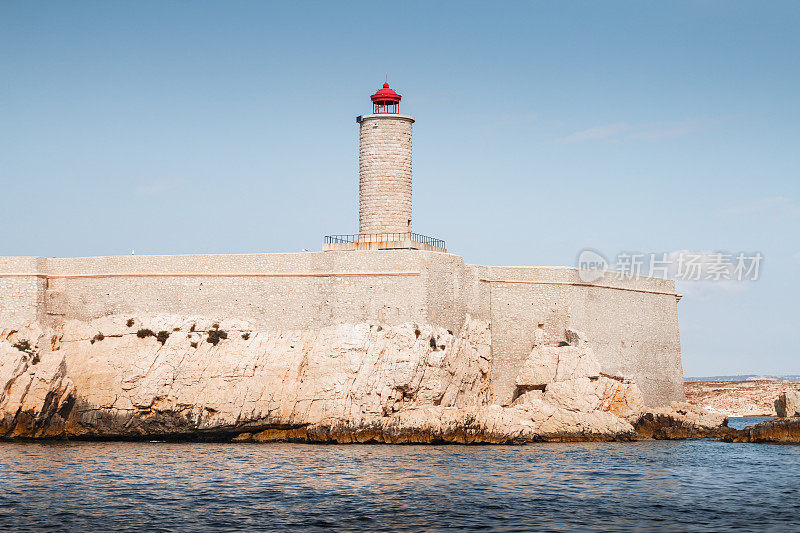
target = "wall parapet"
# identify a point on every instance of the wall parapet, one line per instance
(214, 275)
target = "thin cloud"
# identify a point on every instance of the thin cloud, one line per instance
(780, 205)
(519, 118)
(665, 130)
(597, 133)
(623, 131)
(157, 187)
(704, 290)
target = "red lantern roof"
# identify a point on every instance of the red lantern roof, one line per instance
(386, 95)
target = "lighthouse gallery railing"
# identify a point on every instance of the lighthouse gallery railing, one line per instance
(385, 237)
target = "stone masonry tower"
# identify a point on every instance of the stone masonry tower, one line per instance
(384, 166)
(384, 186)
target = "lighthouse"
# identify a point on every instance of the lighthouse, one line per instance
(384, 167)
(385, 181)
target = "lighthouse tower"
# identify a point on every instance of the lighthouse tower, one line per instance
(384, 185)
(384, 167)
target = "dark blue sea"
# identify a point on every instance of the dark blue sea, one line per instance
(697, 485)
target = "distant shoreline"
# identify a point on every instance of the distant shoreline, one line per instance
(739, 397)
(744, 377)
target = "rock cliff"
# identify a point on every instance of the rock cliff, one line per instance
(190, 377)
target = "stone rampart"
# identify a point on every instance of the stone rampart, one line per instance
(22, 290)
(273, 291)
(631, 324)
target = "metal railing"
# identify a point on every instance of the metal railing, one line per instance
(384, 237)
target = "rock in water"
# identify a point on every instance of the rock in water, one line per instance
(680, 420)
(778, 431)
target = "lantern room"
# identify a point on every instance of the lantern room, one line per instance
(385, 101)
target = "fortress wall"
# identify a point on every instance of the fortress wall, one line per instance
(631, 324)
(273, 291)
(636, 335)
(476, 293)
(444, 278)
(22, 290)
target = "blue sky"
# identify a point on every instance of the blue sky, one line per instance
(542, 129)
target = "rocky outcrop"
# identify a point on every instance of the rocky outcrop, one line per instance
(782, 430)
(36, 393)
(569, 377)
(777, 431)
(680, 420)
(190, 377)
(788, 404)
(492, 424)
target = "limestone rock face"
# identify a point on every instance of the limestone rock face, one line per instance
(621, 398)
(121, 376)
(36, 393)
(190, 377)
(570, 378)
(547, 364)
(788, 404)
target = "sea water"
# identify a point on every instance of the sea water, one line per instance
(694, 485)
